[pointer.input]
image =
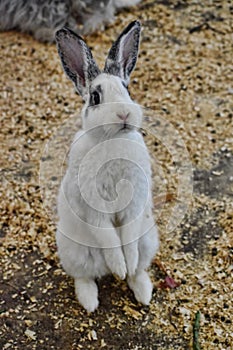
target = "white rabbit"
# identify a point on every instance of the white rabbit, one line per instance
(104, 203)
(43, 18)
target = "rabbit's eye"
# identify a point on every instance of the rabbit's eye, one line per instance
(95, 98)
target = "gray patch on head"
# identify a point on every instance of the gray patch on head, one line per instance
(112, 67)
(92, 89)
(96, 88)
(92, 70)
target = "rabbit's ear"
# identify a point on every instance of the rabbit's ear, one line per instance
(77, 59)
(123, 54)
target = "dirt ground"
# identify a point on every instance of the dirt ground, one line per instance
(184, 76)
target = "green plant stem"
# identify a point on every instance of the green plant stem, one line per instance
(196, 328)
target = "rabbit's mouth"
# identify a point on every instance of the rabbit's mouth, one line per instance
(126, 127)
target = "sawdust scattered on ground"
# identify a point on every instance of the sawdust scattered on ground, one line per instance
(184, 75)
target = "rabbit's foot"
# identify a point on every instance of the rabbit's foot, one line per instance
(87, 293)
(115, 261)
(142, 286)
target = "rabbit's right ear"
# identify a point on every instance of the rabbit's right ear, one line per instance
(77, 59)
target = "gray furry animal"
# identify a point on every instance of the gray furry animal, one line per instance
(42, 18)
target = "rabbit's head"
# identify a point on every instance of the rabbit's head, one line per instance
(108, 105)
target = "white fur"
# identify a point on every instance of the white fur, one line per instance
(104, 203)
(100, 251)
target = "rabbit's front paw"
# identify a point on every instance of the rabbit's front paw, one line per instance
(87, 293)
(131, 257)
(116, 261)
(142, 287)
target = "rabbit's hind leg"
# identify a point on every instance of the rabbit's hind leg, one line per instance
(87, 293)
(141, 286)
(140, 283)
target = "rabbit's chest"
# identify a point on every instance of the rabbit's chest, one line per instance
(121, 181)
(110, 180)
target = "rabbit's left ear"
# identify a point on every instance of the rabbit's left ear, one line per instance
(123, 54)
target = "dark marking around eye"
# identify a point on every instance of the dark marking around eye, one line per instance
(125, 86)
(98, 88)
(95, 96)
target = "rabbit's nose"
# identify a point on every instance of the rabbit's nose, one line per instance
(123, 116)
